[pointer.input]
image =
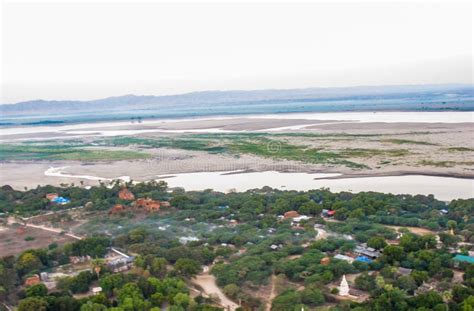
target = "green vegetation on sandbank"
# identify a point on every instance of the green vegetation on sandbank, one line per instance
(445, 163)
(259, 145)
(65, 152)
(408, 142)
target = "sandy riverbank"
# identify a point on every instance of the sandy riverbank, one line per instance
(428, 147)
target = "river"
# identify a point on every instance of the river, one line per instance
(443, 188)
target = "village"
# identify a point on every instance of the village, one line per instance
(292, 238)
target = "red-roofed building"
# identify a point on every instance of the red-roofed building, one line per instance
(32, 280)
(126, 194)
(291, 214)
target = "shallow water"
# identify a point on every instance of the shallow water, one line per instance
(101, 128)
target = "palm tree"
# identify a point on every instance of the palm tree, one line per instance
(97, 265)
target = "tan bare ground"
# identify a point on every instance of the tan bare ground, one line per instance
(12, 242)
(415, 230)
(208, 283)
(440, 149)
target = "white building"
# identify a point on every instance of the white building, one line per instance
(344, 287)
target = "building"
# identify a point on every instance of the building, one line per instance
(344, 257)
(325, 261)
(291, 214)
(344, 287)
(117, 209)
(404, 271)
(61, 200)
(120, 264)
(79, 259)
(96, 290)
(463, 259)
(126, 194)
(165, 204)
(301, 218)
(44, 276)
(363, 250)
(148, 205)
(327, 213)
(51, 196)
(32, 280)
(363, 259)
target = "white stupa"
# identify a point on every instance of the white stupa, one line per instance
(344, 287)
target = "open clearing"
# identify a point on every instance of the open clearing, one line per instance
(12, 239)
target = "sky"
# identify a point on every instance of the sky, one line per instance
(88, 50)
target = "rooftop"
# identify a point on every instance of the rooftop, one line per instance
(464, 258)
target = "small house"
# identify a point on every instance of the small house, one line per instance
(120, 264)
(325, 261)
(61, 200)
(344, 257)
(32, 280)
(363, 250)
(117, 209)
(404, 271)
(363, 259)
(96, 290)
(327, 213)
(51, 196)
(148, 205)
(165, 204)
(463, 259)
(291, 214)
(126, 194)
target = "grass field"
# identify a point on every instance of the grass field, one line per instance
(262, 145)
(65, 152)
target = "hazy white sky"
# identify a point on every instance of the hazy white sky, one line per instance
(54, 50)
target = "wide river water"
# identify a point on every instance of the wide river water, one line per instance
(443, 188)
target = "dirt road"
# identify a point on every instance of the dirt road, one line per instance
(208, 283)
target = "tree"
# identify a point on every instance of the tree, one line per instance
(312, 296)
(187, 267)
(92, 306)
(28, 262)
(377, 242)
(393, 253)
(427, 300)
(231, 290)
(37, 290)
(452, 225)
(365, 282)
(449, 240)
(419, 276)
(33, 304)
(181, 299)
(158, 267)
(407, 283)
(394, 299)
(110, 282)
(286, 301)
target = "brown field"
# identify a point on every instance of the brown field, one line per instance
(12, 241)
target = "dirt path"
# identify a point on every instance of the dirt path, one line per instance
(11, 220)
(322, 234)
(268, 305)
(208, 283)
(415, 230)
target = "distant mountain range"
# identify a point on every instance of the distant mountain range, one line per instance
(213, 97)
(363, 98)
